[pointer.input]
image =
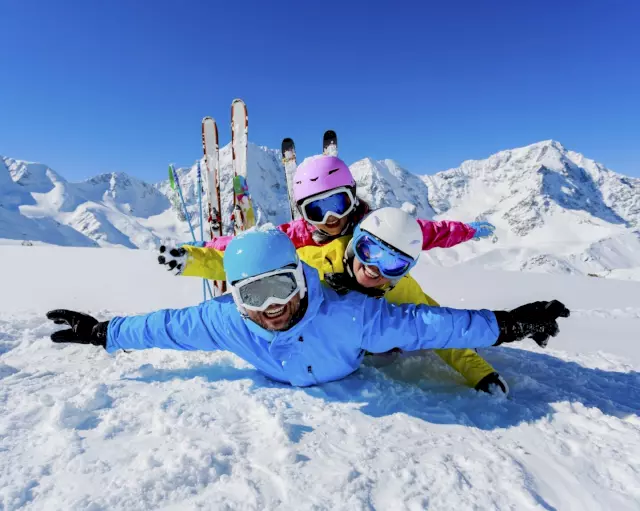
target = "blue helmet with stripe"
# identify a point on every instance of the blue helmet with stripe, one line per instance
(256, 251)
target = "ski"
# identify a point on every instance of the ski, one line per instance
(290, 165)
(212, 180)
(243, 213)
(212, 175)
(330, 143)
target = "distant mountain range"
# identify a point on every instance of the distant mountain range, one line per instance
(554, 209)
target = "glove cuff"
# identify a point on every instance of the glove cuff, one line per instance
(504, 324)
(99, 334)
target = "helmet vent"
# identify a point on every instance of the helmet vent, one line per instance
(313, 179)
(332, 171)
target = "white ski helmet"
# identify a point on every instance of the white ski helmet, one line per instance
(396, 228)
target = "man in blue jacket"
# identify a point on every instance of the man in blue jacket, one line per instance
(281, 319)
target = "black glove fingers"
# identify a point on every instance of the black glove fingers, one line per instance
(162, 249)
(541, 339)
(177, 252)
(172, 264)
(64, 336)
(162, 260)
(557, 309)
(60, 316)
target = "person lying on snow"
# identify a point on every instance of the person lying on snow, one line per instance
(294, 330)
(325, 193)
(375, 261)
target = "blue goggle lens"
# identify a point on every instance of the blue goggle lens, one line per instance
(337, 203)
(391, 264)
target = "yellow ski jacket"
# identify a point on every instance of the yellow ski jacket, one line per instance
(207, 263)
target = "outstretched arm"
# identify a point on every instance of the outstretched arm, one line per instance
(413, 327)
(192, 328)
(176, 329)
(444, 234)
(193, 261)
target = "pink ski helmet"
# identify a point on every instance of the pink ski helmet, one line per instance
(320, 174)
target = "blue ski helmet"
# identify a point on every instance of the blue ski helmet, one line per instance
(256, 252)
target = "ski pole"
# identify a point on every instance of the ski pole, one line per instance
(205, 283)
(175, 184)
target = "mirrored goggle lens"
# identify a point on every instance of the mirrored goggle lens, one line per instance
(391, 264)
(337, 203)
(256, 293)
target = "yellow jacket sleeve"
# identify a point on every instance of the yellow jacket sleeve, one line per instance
(467, 362)
(207, 262)
(203, 262)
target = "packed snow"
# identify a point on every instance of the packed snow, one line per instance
(80, 429)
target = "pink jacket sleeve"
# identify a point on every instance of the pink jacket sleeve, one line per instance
(298, 231)
(444, 234)
(219, 243)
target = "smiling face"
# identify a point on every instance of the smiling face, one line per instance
(334, 226)
(276, 317)
(367, 275)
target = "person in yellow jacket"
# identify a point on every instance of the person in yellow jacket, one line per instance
(375, 261)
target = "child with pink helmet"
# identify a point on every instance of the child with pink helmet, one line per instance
(325, 193)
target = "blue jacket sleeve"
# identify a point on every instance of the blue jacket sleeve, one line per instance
(413, 327)
(186, 329)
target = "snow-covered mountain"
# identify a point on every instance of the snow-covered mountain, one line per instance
(555, 210)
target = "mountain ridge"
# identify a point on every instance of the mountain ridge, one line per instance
(555, 209)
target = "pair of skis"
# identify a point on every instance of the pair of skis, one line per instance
(243, 213)
(288, 149)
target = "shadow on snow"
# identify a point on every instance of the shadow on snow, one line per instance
(420, 386)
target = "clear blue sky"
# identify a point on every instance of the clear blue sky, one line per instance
(100, 86)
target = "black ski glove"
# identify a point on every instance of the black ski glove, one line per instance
(537, 320)
(493, 384)
(173, 258)
(84, 329)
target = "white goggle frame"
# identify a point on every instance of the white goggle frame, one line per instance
(298, 274)
(324, 195)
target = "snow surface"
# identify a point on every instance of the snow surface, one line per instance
(80, 429)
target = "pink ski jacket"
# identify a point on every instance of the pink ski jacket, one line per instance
(442, 234)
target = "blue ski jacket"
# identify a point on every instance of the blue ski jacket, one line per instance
(327, 344)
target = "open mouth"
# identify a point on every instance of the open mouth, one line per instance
(275, 312)
(372, 272)
(333, 222)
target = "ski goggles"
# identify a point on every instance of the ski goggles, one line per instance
(338, 203)
(276, 287)
(369, 250)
